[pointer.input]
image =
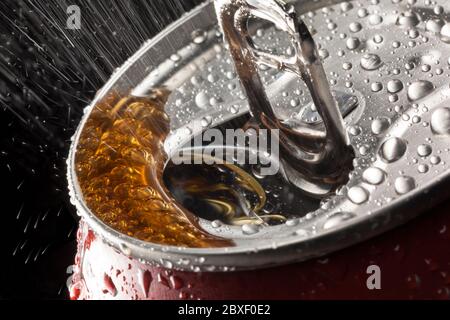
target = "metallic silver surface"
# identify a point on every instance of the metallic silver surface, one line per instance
(390, 56)
(323, 157)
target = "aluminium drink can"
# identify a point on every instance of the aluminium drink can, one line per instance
(152, 228)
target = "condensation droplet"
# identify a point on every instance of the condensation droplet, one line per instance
(393, 149)
(419, 89)
(323, 53)
(362, 13)
(440, 121)
(250, 229)
(435, 160)
(404, 184)
(376, 87)
(424, 150)
(395, 86)
(337, 219)
(346, 6)
(358, 195)
(199, 36)
(234, 109)
(353, 43)
(408, 19)
(216, 224)
(374, 176)
(175, 57)
(371, 62)
(378, 39)
(434, 25)
(301, 233)
(380, 125)
(202, 100)
(146, 280)
(355, 27)
(354, 130)
(375, 19)
(206, 121)
(445, 33)
(423, 168)
(292, 222)
(125, 250)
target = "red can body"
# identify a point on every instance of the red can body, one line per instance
(414, 262)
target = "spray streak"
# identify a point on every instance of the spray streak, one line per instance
(46, 60)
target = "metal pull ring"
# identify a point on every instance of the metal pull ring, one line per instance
(314, 159)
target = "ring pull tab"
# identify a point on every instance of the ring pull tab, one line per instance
(314, 159)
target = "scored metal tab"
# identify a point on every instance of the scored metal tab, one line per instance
(323, 158)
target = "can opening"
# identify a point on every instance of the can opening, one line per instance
(235, 192)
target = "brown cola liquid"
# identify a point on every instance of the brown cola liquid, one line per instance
(120, 162)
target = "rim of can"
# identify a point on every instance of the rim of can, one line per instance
(242, 257)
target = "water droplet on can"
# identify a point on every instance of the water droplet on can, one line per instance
(347, 66)
(346, 6)
(376, 87)
(324, 53)
(393, 149)
(176, 283)
(419, 89)
(380, 125)
(355, 27)
(234, 109)
(337, 219)
(435, 160)
(375, 19)
(202, 100)
(440, 121)
(408, 19)
(404, 184)
(395, 86)
(216, 224)
(292, 222)
(434, 25)
(199, 36)
(146, 281)
(374, 176)
(378, 39)
(423, 168)
(125, 250)
(358, 195)
(371, 62)
(445, 33)
(175, 57)
(250, 229)
(362, 13)
(206, 121)
(353, 43)
(301, 233)
(354, 130)
(424, 150)
(109, 285)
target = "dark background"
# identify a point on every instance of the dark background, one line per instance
(48, 74)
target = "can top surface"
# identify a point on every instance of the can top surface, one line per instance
(387, 63)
